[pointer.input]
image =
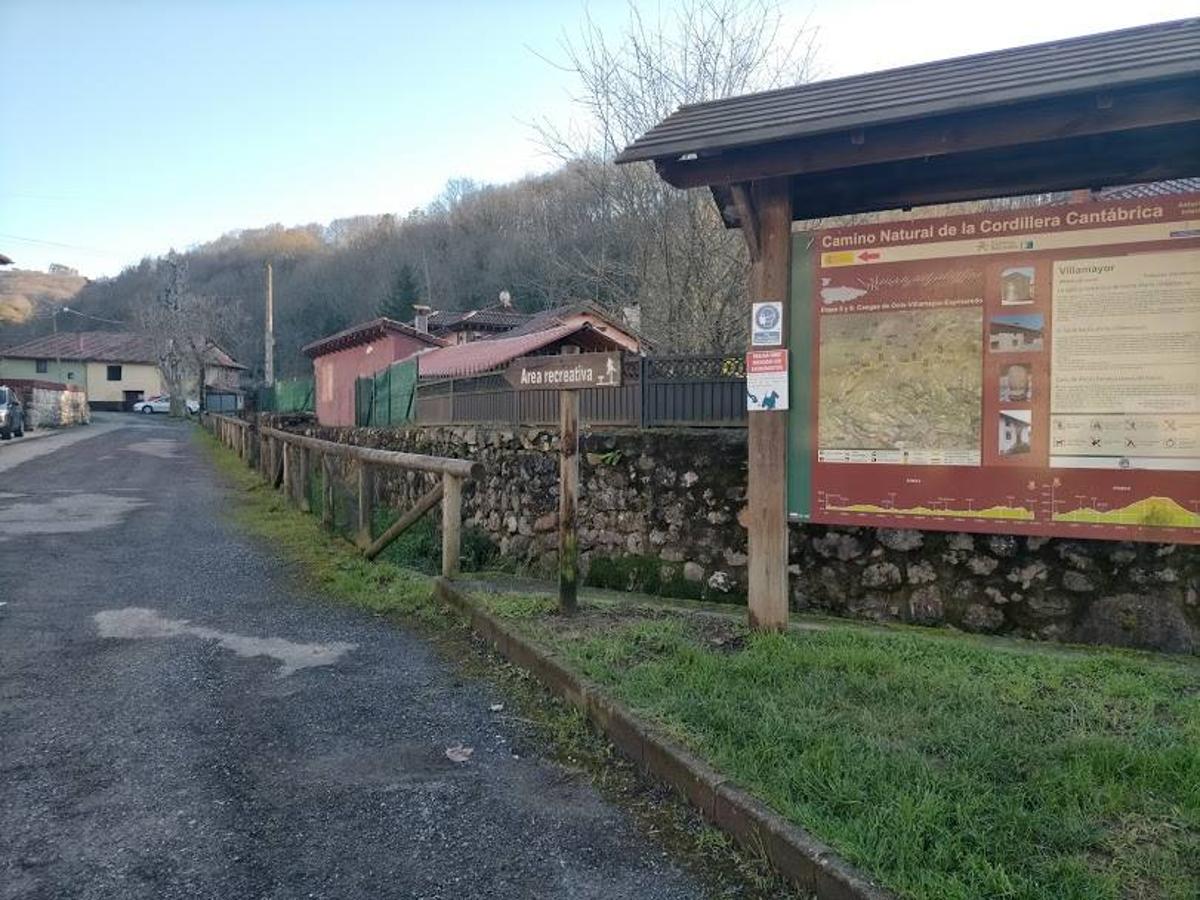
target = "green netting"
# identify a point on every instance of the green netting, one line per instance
(388, 397)
(290, 395)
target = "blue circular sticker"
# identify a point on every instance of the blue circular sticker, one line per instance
(767, 316)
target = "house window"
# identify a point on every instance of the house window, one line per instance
(42, 366)
(114, 373)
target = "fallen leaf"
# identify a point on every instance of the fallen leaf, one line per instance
(496, 707)
(458, 753)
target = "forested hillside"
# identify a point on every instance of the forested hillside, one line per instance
(589, 230)
(25, 295)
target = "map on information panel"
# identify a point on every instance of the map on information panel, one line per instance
(1027, 371)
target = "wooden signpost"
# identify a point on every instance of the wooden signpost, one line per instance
(568, 374)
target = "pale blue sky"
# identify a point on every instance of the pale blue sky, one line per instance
(130, 127)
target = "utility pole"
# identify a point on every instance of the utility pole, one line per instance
(428, 286)
(269, 340)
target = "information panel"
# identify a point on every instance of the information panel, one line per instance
(1027, 371)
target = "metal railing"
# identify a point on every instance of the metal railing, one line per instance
(673, 391)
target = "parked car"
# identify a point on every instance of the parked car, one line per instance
(12, 416)
(162, 404)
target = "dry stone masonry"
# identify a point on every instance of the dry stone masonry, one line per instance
(659, 513)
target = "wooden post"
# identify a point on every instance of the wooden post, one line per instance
(278, 464)
(303, 464)
(769, 234)
(366, 501)
(327, 516)
(451, 523)
(568, 499)
(285, 482)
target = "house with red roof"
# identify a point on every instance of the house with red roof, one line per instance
(340, 359)
(453, 346)
(502, 320)
(115, 368)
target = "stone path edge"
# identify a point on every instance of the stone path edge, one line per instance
(798, 856)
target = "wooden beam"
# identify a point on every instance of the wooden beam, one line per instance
(766, 509)
(748, 218)
(1168, 152)
(1081, 115)
(463, 468)
(427, 502)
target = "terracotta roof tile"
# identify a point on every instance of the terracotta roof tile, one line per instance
(483, 356)
(364, 333)
(98, 346)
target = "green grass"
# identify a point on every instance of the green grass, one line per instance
(946, 766)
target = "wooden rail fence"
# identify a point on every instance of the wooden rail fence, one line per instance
(286, 461)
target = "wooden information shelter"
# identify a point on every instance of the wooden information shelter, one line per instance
(1114, 108)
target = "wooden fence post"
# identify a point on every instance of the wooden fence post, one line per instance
(451, 523)
(327, 516)
(304, 463)
(285, 482)
(366, 499)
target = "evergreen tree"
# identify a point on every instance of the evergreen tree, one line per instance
(399, 301)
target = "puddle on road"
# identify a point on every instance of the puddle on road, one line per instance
(163, 448)
(66, 514)
(137, 623)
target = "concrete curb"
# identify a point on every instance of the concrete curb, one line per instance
(807, 862)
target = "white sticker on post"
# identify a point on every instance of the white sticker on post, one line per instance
(766, 380)
(766, 324)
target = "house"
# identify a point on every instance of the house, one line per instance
(116, 369)
(1010, 336)
(501, 320)
(483, 356)
(222, 379)
(1016, 427)
(342, 358)
(1016, 286)
(474, 324)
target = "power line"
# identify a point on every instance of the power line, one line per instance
(17, 237)
(68, 309)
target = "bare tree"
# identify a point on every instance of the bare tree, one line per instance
(667, 251)
(184, 326)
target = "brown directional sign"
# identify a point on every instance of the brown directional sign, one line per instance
(565, 373)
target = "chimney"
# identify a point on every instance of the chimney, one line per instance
(421, 320)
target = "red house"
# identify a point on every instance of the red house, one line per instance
(354, 353)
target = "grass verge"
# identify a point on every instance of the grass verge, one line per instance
(944, 765)
(336, 569)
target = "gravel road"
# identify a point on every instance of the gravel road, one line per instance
(179, 719)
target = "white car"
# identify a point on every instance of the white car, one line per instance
(162, 404)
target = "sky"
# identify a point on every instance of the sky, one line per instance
(129, 127)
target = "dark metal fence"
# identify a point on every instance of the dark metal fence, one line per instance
(705, 391)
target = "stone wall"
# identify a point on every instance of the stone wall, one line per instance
(658, 512)
(51, 405)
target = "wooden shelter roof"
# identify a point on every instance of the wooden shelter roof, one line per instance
(1085, 112)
